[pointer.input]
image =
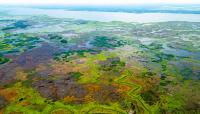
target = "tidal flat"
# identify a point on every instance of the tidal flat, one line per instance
(52, 65)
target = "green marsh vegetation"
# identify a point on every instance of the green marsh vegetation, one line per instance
(99, 67)
(3, 60)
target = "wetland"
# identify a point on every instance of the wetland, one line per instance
(65, 65)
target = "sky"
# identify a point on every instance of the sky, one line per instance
(97, 2)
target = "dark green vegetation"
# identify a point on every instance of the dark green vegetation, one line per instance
(103, 41)
(75, 75)
(3, 60)
(13, 43)
(66, 66)
(17, 25)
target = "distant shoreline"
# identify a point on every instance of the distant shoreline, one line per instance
(162, 8)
